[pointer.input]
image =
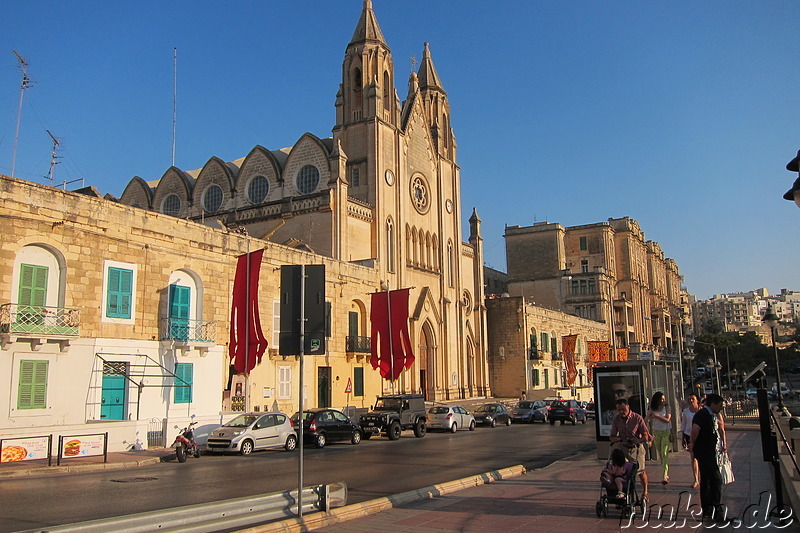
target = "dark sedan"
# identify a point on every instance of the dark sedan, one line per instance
(321, 426)
(566, 411)
(491, 414)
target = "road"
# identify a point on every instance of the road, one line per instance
(374, 468)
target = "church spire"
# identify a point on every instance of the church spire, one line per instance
(367, 28)
(428, 78)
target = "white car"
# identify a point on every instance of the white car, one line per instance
(254, 431)
(450, 418)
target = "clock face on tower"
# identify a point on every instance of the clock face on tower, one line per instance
(449, 206)
(389, 177)
(420, 195)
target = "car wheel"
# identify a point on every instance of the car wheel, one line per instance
(574, 420)
(493, 423)
(454, 428)
(356, 438)
(291, 443)
(394, 430)
(562, 422)
(321, 440)
(247, 447)
(472, 425)
(420, 429)
(584, 420)
(532, 419)
(508, 421)
(552, 421)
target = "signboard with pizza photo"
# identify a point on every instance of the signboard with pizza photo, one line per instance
(24, 449)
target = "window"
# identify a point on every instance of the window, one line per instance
(32, 391)
(355, 177)
(184, 372)
(172, 205)
(358, 381)
(120, 293)
(545, 341)
(574, 287)
(307, 179)
(285, 382)
(534, 349)
(258, 189)
(212, 199)
(592, 287)
(32, 295)
(535, 377)
(584, 266)
(583, 286)
(450, 265)
(389, 245)
(583, 243)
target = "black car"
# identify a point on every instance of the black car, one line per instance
(321, 426)
(566, 411)
(491, 414)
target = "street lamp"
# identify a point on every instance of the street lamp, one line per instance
(770, 320)
(793, 194)
(689, 357)
(716, 366)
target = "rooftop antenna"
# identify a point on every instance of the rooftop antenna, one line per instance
(174, 98)
(26, 82)
(53, 157)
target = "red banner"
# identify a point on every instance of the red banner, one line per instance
(568, 346)
(391, 345)
(622, 354)
(598, 351)
(247, 341)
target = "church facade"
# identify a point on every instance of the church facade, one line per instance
(383, 193)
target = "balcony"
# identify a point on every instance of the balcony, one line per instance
(533, 354)
(358, 345)
(39, 323)
(189, 333)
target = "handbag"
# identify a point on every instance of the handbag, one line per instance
(726, 468)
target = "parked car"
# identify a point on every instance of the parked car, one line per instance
(492, 414)
(321, 426)
(450, 418)
(253, 431)
(591, 410)
(529, 411)
(393, 413)
(566, 410)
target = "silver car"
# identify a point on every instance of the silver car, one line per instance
(450, 418)
(254, 431)
(529, 411)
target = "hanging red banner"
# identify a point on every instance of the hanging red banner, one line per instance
(247, 341)
(568, 346)
(391, 345)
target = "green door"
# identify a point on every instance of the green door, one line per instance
(32, 295)
(323, 386)
(112, 402)
(179, 300)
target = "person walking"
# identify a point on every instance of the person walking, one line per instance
(659, 417)
(704, 442)
(686, 429)
(629, 433)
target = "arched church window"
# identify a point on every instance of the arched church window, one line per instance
(212, 199)
(357, 84)
(451, 271)
(171, 205)
(307, 179)
(389, 245)
(258, 189)
(387, 100)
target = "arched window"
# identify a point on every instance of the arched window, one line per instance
(212, 199)
(545, 342)
(409, 245)
(390, 245)
(258, 189)
(387, 92)
(451, 268)
(307, 179)
(414, 260)
(428, 250)
(421, 243)
(357, 85)
(171, 205)
(435, 253)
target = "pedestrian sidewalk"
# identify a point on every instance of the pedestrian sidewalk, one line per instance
(116, 461)
(561, 498)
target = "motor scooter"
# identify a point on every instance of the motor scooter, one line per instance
(185, 445)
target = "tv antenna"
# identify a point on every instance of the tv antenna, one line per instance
(53, 157)
(26, 82)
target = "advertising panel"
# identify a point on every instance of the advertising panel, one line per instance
(23, 449)
(611, 385)
(82, 446)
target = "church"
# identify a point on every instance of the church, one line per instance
(383, 193)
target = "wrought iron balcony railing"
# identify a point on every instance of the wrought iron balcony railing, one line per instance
(185, 330)
(355, 344)
(18, 319)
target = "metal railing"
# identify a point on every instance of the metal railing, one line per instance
(358, 344)
(19, 319)
(185, 330)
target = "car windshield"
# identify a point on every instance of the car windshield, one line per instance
(524, 405)
(242, 421)
(439, 410)
(388, 404)
(485, 409)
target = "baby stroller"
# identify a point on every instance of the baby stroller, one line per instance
(628, 500)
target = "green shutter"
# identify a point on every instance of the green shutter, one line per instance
(185, 372)
(358, 381)
(120, 287)
(32, 391)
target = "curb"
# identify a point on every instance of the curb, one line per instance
(369, 507)
(73, 469)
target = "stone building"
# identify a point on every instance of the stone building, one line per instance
(526, 351)
(605, 272)
(383, 192)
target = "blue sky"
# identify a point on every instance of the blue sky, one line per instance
(681, 115)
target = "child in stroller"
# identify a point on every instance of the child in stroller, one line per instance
(618, 483)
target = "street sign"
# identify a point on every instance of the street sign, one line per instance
(349, 388)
